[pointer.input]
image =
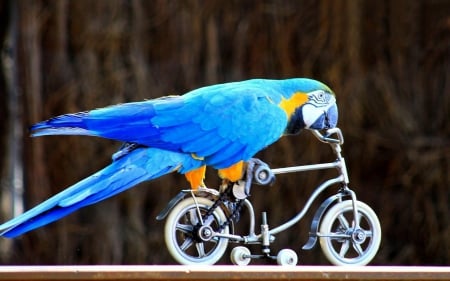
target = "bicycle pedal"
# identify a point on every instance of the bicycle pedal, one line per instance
(239, 190)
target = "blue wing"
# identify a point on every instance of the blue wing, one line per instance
(230, 124)
(223, 124)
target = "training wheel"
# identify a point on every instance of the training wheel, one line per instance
(287, 257)
(240, 256)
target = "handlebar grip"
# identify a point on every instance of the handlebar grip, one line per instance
(338, 132)
(327, 138)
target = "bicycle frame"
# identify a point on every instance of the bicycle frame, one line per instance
(342, 178)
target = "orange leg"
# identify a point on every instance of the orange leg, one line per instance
(195, 177)
(233, 173)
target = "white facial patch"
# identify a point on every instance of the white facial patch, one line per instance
(319, 102)
(311, 114)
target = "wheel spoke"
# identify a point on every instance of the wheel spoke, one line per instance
(193, 216)
(200, 249)
(358, 218)
(358, 249)
(343, 221)
(209, 220)
(187, 243)
(185, 228)
(344, 248)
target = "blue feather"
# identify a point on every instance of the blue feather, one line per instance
(74, 120)
(226, 157)
(141, 164)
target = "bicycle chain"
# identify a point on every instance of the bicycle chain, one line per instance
(234, 216)
(223, 198)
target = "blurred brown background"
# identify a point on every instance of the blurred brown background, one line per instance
(387, 61)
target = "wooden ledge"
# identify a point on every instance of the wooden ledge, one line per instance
(219, 273)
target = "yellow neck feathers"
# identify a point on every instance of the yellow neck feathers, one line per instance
(295, 101)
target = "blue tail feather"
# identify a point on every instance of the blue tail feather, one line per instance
(141, 164)
(104, 122)
(73, 120)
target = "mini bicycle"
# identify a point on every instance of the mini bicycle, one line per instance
(200, 223)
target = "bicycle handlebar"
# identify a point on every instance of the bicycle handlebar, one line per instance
(327, 137)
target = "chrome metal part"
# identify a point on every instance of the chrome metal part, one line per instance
(210, 213)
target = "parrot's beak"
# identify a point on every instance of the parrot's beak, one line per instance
(319, 118)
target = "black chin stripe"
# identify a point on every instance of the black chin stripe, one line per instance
(296, 122)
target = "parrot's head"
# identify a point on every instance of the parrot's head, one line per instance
(311, 106)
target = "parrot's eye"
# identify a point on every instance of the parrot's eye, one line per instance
(319, 98)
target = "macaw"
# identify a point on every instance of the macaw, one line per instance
(221, 126)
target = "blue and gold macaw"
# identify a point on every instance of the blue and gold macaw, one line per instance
(221, 126)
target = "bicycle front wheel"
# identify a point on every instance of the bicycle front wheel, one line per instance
(344, 243)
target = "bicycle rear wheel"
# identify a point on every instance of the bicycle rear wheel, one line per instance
(188, 232)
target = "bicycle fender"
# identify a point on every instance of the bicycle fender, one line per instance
(175, 200)
(316, 221)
